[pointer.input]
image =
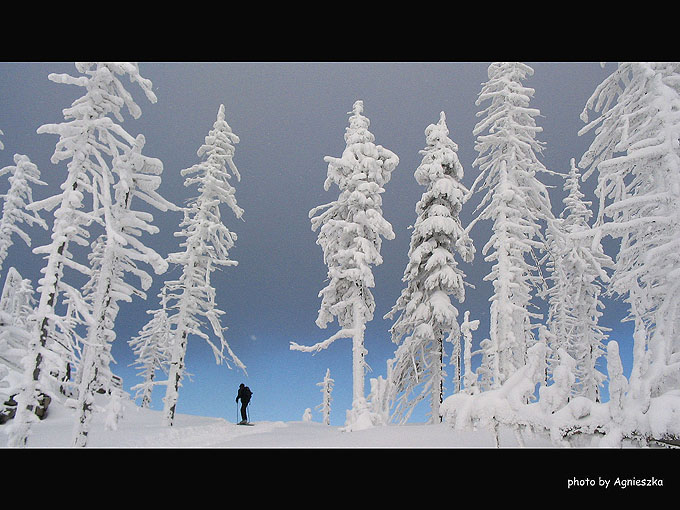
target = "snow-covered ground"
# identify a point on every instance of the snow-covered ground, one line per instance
(142, 428)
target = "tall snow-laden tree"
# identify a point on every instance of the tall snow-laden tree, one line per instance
(115, 254)
(426, 315)
(578, 267)
(23, 174)
(151, 349)
(208, 241)
(517, 203)
(636, 154)
(89, 140)
(350, 231)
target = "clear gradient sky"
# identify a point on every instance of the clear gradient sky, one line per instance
(288, 116)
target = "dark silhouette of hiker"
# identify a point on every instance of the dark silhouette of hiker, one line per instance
(244, 394)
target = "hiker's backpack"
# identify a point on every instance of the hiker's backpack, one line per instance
(246, 394)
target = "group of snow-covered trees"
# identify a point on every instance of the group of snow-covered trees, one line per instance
(61, 345)
(534, 372)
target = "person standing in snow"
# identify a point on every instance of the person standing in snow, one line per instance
(244, 394)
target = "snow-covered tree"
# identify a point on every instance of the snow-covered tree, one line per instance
(469, 376)
(16, 306)
(379, 402)
(518, 204)
(553, 397)
(307, 415)
(326, 390)
(350, 231)
(636, 154)
(23, 174)
(207, 245)
(618, 384)
(16, 300)
(115, 254)
(426, 315)
(150, 348)
(90, 141)
(578, 267)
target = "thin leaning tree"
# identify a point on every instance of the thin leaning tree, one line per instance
(191, 298)
(116, 254)
(350, 231)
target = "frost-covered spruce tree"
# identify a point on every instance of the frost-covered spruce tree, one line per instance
(88, 139)
(578, 267)
(150, 348)
(207, 245)
(426, 315)
(23, 174)
(116, 254)
(517, 203)
(637, 158)
(350, 231)
(326, 390)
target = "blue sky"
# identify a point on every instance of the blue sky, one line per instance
(288, 116)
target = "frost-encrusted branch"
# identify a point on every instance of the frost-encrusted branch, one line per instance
(319, 346)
